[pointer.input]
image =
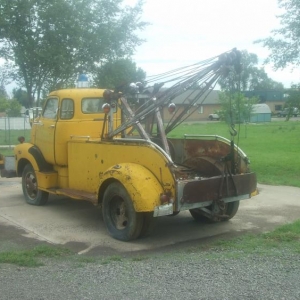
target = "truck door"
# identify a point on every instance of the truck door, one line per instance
(45, 130)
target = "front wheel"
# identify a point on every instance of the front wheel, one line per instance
(31, 192)
(120, 218)
(213, 214)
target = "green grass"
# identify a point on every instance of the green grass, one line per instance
(11, 137)
(273, 148)
(7, 151)
(284, 237)
(31, 258)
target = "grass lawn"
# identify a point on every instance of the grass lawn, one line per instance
(273, 148)
(11, 137)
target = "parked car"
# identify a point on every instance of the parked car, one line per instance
(285, 112)
(214, 117)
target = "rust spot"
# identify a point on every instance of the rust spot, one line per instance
(213, 188)
(111, 172)
(212, 148)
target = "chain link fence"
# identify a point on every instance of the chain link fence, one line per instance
(11, 128)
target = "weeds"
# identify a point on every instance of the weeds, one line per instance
(30, 258)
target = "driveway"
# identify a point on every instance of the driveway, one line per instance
(79, 226)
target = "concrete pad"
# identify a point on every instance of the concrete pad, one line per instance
(79, 224)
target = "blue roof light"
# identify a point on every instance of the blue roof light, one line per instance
(83, 81)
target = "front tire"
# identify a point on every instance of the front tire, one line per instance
(120, 218)
(31, 192)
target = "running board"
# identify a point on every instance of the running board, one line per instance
(76, 194)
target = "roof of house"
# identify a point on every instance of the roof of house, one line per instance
(266, 95)
(212, 97)
(208, 98)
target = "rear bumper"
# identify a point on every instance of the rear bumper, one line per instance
(204, 191)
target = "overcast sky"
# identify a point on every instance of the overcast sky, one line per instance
(183, 32)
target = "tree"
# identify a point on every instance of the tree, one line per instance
(261, 81)
(49, 46)
(11, 107)
(14, 108)
(247, 76)
(284, 44)
(4, 79)
(22, 97)
(3, 104)
(293, 99)
(236, 107)
(118, 73)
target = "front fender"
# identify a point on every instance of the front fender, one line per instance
(140, 183)
(28, 153)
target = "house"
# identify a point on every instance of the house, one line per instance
(204, 106)
(275, 99)
(210, 103)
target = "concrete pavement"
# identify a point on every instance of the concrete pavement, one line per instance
(79, 225)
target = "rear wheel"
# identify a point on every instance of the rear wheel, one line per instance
(121, 220)
(149, 223)
(31, 192)
(213, 214)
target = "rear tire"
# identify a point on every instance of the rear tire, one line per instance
(31, 192)
(120, 218)
(229, 212)
(149, 223)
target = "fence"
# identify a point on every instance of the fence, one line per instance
(8, 126)
(20, 123)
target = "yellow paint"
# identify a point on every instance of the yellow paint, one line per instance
(140, 168)
(53, 135)
(46, 180)
(142, 186)
(63, 176)
(1, 160)
(22, 153)
(255, 193)
(82, 162)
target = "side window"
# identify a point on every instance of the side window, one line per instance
(50, 111)
(92, 105)
(67, 109)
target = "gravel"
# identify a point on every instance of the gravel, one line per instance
(174, 276)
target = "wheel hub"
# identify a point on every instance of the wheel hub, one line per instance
(31, 186)
(118, 213)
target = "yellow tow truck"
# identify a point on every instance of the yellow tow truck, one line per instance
(89, 144)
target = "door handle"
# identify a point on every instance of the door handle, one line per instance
(51, 126)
